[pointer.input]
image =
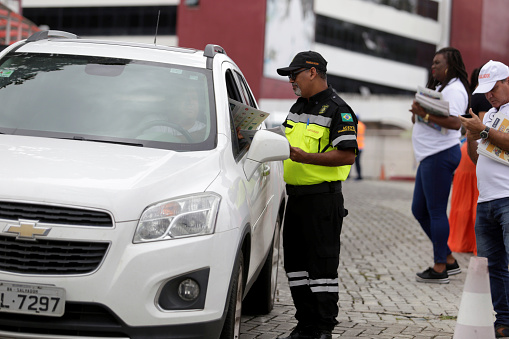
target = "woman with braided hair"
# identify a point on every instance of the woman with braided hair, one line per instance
(436, 142)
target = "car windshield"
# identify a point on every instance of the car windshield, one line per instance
(107, 100)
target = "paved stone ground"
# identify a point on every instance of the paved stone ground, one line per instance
(382, 247)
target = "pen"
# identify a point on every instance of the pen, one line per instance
(307, 124)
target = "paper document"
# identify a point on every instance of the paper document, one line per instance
(432, 101)
(486, 148)
(246, 117)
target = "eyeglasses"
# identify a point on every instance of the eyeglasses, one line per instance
(293, 75)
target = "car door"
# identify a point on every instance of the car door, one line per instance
(258, 190)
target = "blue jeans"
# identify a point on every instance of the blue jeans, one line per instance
(492, 236)
(431, 195)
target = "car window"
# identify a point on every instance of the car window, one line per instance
(106, 99)
(232, 87)
(239, 146)
(246, 93)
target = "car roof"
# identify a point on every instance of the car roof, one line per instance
(72, 45)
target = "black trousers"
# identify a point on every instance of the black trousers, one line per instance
(311, 241)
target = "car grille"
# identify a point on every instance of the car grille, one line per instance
(54, 214)
(50, 256)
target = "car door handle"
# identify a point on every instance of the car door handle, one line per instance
(266, 170)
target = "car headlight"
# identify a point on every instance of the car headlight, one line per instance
(182, 217)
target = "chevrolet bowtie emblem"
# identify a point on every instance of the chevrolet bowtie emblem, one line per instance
(27, 230)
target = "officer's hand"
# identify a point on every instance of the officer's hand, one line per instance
(297, 155)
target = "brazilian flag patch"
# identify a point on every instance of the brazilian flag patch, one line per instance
(347, 117)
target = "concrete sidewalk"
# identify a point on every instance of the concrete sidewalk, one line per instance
(382, 248)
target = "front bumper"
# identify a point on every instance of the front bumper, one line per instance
(94, 321)
(120, 299)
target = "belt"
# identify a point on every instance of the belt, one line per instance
(324, 187)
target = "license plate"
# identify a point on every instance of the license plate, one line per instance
(32, 299)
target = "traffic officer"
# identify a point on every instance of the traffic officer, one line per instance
(322, 131)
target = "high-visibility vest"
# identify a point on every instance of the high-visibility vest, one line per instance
(311, 138)
(309, 126)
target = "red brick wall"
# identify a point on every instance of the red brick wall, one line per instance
(237, 26)
(480, 30)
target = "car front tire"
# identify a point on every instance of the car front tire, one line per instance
(261, 297)
(231, 327)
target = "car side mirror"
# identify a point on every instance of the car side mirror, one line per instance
(266, 146)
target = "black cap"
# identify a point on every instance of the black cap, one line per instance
(305, 60)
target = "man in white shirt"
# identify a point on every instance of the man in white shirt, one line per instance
(492, 221)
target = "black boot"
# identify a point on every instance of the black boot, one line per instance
(323, 335)
(300, 333)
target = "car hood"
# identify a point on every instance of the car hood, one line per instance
(120, 179)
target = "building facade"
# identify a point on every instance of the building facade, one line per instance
(13, 26)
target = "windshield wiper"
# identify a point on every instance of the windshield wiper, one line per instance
(127, 143)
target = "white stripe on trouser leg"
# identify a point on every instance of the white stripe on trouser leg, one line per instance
(331, 289)
(324, 281)
(302, 282)
(316, 285)
(324, 285)
(301, 274)
(300, 278)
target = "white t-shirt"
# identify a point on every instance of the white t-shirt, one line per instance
(427, 140)
(492, 176)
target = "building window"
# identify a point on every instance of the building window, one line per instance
(347, 85)
(136, 20)
(192, 3)
(425, 8)
(369, 41)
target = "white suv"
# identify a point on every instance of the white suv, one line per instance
(129, 208)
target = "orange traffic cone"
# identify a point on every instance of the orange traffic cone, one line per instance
(475, 316)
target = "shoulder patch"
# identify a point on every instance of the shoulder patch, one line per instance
(347, 129)
(347, 117)
(323, 109)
